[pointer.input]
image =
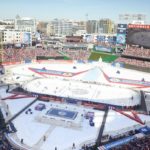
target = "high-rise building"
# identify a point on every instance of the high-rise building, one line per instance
(25, 24)
(92, 26)
(6, 24)
(1, 48)
(79, 25)
(50, 29)
(15, 37)
(42, 27)
(106, 26)
(1, 40)
(60, 27)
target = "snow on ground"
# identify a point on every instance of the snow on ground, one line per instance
(125, 73)
(3, 93)
(62, 137)
(66, 137)
(92, 75)
(28, 129)
(94, 72)
(15, 105)
(32, 131)
(116, 122)
(60, 67)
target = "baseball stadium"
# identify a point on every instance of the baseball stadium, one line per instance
(77, 97)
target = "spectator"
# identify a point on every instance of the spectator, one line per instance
(44, 138)
(21, 141)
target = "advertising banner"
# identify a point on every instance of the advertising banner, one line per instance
(103, 49)
(122, 28)
(89, 38)
(139, 26)
(111, 39)
(119, 142)
(27, 38)
(121, 39)
(101, 38)
(145, 130)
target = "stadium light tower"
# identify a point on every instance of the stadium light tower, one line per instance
(129, 18)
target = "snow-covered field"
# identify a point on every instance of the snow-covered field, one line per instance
(80, 86)
(62, 136)
(93, 72)
(96, 87)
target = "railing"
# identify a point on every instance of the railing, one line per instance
(15, 144)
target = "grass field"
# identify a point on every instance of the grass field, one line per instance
(106, 57)
(65, 57)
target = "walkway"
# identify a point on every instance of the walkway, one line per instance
(22, 110)
(41, 141)
(17, 143)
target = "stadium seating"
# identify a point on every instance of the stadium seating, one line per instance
(139, 144)
(77, 54)
(134, 62)
(18, 55)
(135, 51)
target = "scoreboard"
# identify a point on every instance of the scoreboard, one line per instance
(138, 35)
(121, 34)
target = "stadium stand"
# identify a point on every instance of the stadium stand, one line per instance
(136, 56)
(77, 54)
(134, 62)
(139, 52)
(18, 55)
(138, 139)
(15, 55)
(138, 144)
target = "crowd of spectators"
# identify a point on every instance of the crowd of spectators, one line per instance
(4, 144)
(17, 55)
(106, 44)
(137, 144)
(135, 62)
(136, 51)
(77, 54)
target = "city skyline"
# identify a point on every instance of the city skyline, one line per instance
(46, 10)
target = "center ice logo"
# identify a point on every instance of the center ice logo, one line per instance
(62, 113)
